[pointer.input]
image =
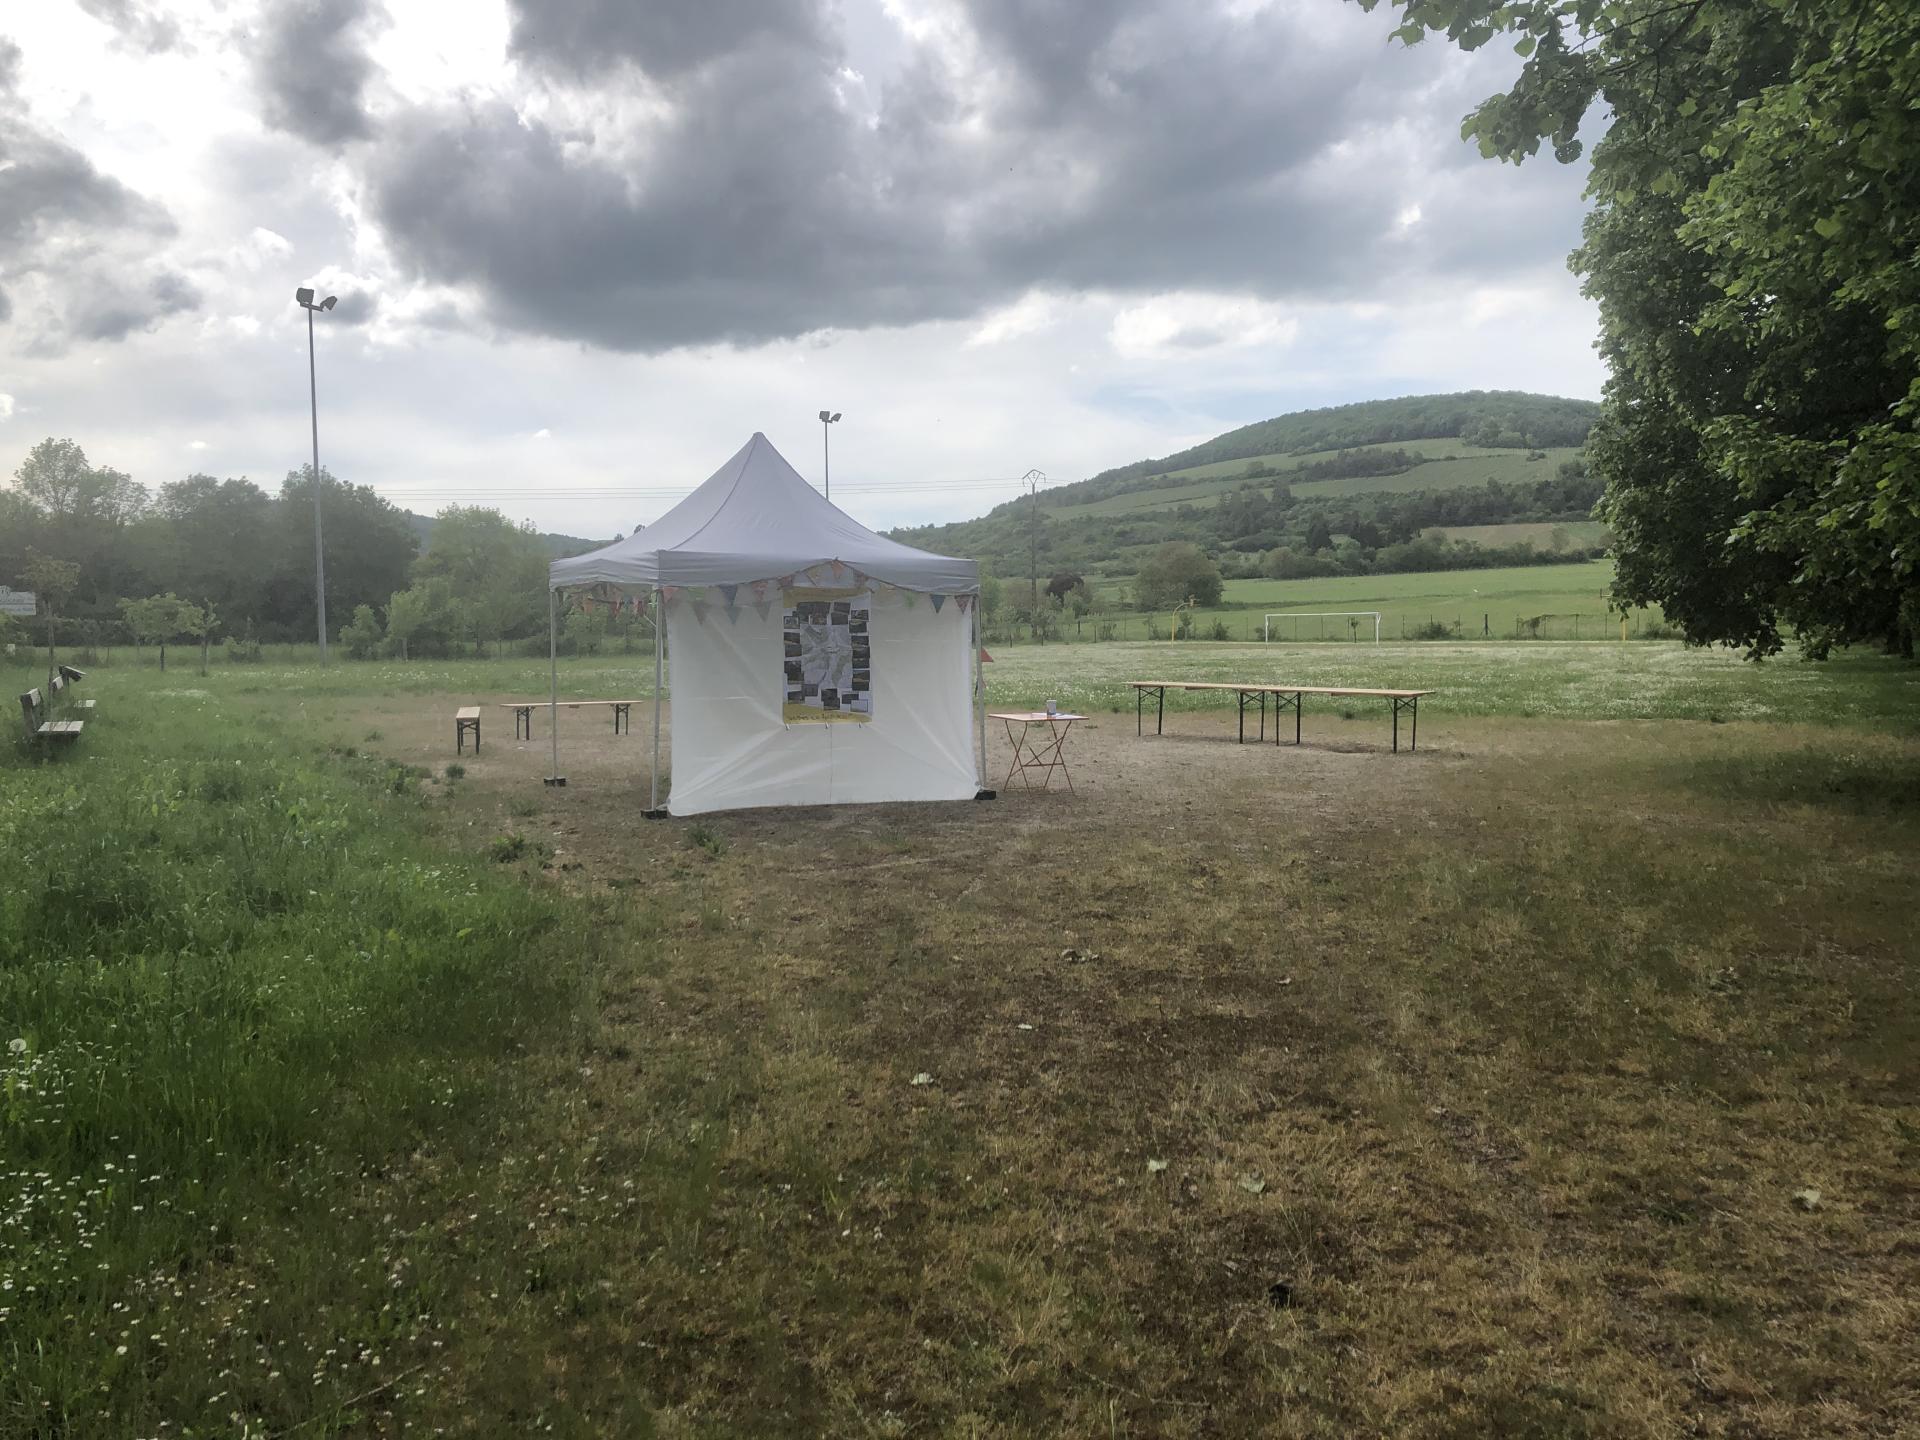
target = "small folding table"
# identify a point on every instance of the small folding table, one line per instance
(1044, 752)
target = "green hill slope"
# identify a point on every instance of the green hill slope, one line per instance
(1380, 474)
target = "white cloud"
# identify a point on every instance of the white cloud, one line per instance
(198, 445)
(1027, 315)
(1169, 325)
(6, 407)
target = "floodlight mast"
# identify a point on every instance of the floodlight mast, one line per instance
(827, 417)
(303, 297)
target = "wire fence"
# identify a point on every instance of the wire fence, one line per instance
(1281, 628)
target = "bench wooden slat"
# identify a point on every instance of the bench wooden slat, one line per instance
(1265, 688)
(1289, 697)
(564, 704)
(467, 712)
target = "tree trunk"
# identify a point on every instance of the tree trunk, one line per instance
(163, 657)
(206, 646)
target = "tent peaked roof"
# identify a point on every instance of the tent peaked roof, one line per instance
(755, 519)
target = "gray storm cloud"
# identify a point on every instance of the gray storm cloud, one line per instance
(1130, 147)
(312, 68)
(76, 245)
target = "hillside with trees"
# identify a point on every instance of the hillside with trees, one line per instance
(1402, 470)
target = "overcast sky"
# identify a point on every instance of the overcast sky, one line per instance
(584, 248)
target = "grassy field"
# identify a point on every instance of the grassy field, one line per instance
(1444, 448)
(1453, 467)
(1499, 602)
(1559, 1080)
(1542, 535)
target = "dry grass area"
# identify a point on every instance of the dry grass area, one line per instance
(1318, 1092)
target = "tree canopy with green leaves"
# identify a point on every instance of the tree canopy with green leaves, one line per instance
(1756, 217)
(1177, 572)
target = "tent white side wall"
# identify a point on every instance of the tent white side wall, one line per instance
(756, 523)
(732, 750)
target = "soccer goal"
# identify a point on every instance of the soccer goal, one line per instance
(1355, 620)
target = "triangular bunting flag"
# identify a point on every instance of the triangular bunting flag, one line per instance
(669, 593)
(911, 599)
(759, 590)
(764, 607)
(727, 592)
(733, 612)
(700, 611)
(838, 568)
(965, 602)
(938, 601)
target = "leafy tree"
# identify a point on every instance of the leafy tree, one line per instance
(586, 632)
(369, 545)
(497, 570)
(424, 617)
(52, 580)
(1319, 536)
(1751, 248)
(160, 618)
(80, 512)
(1176, 571)
(216, 538)
(992, 594)
(362, 636)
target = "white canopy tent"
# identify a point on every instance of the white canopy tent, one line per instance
(814, 662)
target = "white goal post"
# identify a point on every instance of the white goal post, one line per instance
(1266, 621)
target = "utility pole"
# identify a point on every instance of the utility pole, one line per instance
(304, 298)
(1033, 480)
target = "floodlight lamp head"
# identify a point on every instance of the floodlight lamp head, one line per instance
(824, 417)
(304, 295)
(329, 302)
(836, 415)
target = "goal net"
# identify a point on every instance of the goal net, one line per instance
(1350, 625)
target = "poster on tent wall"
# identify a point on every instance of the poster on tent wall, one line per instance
(827, 655)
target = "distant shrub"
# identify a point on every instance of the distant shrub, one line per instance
(364, 636)
(1435, 630)
(1219, 631)
(456, 771)
(1659, 630)
(243, 649)
(505, 849)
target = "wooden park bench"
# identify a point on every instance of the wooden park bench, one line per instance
(1284, 697)
(466, 720)
(64, 677)
(523, 713)
(40, 728)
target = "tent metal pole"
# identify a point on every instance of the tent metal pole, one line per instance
(979, 692)
(659, 656)
(553, 677)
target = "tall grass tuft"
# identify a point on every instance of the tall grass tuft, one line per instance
(235, 982)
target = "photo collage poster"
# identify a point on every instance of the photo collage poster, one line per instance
(828, 655)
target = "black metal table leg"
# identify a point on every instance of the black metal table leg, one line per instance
(1160, 719)
(1396, 727)
(1241, 695)
(1415, 745)
(1296, 716)
(1139, 700)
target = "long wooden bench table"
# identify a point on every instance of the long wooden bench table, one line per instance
(523, 713)
(1284, 696)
